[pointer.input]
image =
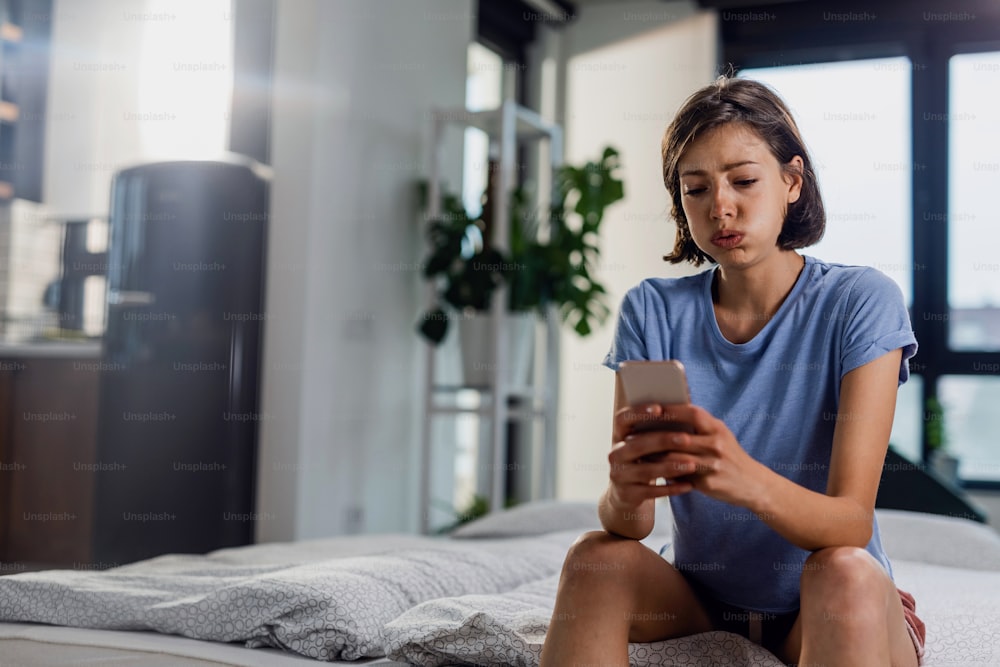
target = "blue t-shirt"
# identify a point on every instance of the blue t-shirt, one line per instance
(778, 393)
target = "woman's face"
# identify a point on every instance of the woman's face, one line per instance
(735, 195)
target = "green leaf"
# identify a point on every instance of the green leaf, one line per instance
(434, 325)
(552, 259)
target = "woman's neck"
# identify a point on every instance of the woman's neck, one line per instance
(746, 298)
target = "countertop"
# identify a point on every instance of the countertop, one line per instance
(60, 349)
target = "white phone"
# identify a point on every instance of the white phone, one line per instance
(661, 382)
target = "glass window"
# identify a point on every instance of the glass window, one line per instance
(907, 424)
(855, 119)
(973, 175)
(483, 90)
(971, 422)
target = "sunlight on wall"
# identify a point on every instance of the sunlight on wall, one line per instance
(187, 75)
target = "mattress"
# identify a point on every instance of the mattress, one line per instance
(30, 645)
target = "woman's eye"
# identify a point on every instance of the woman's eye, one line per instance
(746, 181)
(691, 192)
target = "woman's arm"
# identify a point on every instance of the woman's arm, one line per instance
(810, 520)
(860, 439)
(628, 506)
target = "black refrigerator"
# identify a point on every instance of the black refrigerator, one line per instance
(178, 407)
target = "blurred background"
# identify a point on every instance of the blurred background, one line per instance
(286, 393)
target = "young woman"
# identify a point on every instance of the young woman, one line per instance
(793, 366)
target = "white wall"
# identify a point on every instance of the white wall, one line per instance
(628, 67)
(354, 84)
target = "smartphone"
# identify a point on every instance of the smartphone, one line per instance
(655, 382)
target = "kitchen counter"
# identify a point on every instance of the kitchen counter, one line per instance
(56, 349)
(48, 448)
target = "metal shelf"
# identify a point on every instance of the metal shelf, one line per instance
(506, 125)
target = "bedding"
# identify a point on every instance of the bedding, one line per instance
(509, 629)
(961, 608)
(483, 599)
(328, 609)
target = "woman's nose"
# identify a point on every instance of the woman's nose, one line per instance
(722, 202)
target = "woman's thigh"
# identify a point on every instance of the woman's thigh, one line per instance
(901, 647)
(623, 576)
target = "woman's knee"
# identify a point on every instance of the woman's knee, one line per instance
(843, 581)
(842, 566)
(599, 552)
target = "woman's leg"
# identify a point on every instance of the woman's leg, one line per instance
(850, 614)
(614, 590)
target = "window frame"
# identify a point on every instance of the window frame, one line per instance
(802, 33)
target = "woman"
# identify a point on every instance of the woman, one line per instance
(793, 366)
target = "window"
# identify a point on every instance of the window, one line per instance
(484, 88)
(859, 140)
(973, 176)
(971, 422)
(973, 299)
(936, 80)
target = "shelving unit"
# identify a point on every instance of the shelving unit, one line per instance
(505, 126)
(10, 38)
(25, 28)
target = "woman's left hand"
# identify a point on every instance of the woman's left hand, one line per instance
(724, 470)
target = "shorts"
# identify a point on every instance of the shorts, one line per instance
(770, 629)
(914, 626)
(766, 628)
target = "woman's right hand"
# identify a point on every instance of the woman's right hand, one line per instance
(642, 465)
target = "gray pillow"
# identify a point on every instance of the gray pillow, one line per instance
(940, 540)
(534, 518)
(550, 516)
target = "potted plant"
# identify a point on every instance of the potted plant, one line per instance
(550, 259)
(943, 463)
(464, 269)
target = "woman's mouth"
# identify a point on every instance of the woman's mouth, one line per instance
(727, 239)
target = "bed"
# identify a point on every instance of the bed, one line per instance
(481, 596)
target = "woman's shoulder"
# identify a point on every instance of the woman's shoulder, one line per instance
(669, 289)
(853, 279)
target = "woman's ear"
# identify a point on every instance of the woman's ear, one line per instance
(793, 176)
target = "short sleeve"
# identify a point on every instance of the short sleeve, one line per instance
(877, 323)
(628, 343)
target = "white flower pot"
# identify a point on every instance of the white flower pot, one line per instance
(476, 340)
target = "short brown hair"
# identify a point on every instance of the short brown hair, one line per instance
(751, 103)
